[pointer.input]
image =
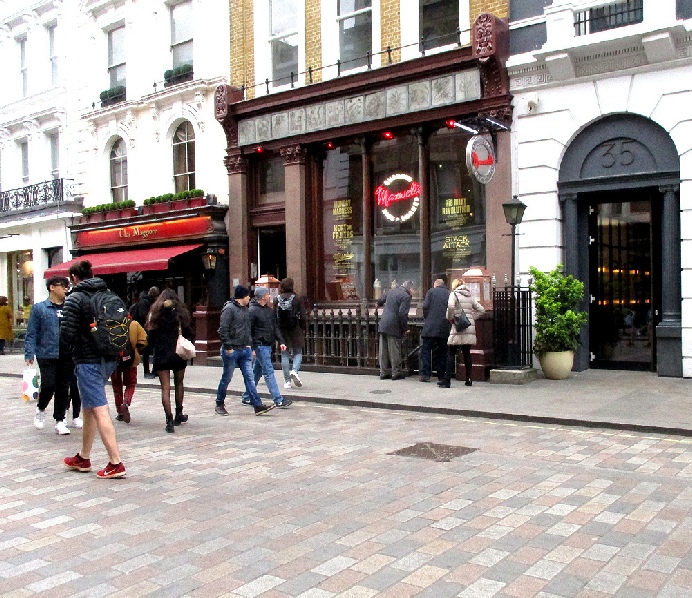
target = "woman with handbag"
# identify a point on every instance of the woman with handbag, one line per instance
(169, 319)
(462, 311)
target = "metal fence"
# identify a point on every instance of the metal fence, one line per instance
(609, 16)
(53, 191)
(513, 327)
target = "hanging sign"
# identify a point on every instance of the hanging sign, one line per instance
(398, 188)
(480, 158)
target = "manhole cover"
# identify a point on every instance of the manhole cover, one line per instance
(380, 392)
(441, 453)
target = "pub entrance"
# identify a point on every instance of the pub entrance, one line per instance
(271, 251)
(624, 278)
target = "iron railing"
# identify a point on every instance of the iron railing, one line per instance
(512, 327)
(610, 16)
(56, 191)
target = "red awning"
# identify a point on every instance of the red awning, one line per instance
(155, 258)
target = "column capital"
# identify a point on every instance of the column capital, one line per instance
(565, 196)
(669, 188)
(294, 154)
(235, 164)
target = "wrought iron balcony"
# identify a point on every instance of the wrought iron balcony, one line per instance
(47, 193)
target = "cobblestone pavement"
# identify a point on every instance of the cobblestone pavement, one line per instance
(311, 502)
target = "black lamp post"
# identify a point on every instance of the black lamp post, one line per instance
(514, 212)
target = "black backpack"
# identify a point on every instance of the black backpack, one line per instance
(286, 312)
(110, 328)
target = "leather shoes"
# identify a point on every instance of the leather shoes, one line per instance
(468, 383)
(444, 384)
(425, 378)
(399, 377)
(385, 377)
(220, 409)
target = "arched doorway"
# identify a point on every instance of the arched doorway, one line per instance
(618, 187)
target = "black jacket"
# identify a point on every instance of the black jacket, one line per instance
(397, 303)
(75, 333)
(435, 322)
(163, 339)
(140, 310)
(234, 331)
(263, 325)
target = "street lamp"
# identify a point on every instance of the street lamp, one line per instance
(514, 212)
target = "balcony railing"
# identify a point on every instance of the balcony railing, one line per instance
(610, 16)
(56, 191)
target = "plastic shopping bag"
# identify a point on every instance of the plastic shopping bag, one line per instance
(30, 384)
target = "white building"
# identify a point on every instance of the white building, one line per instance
(64, 143)
(602, 135)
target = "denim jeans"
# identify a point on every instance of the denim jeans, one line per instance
(285, 363)
(263, 366)
(438, 347)
(241, 358)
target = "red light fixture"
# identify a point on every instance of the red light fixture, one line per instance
(451, 123)
(387, 135)
(259, 149)
(329, 145)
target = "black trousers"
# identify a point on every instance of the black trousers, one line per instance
(437, 347)
(452, 356)
(56, 378)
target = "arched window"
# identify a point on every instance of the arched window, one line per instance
(184, 157)
(118, 162)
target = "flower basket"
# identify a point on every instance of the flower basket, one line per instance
(197, 202)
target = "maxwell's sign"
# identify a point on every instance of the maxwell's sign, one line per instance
(140, 234)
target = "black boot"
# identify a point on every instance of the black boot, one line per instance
(170, 428)
(180, 417)
(468, 382)
(444, 383)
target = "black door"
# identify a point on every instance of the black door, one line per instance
(272, 251)
(624, 285)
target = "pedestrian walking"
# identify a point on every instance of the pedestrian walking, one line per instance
(236, 351)
(6, 324)
(169, 318)
(93, 368)
(393, 326)
(124, 378)
(290, 314)
(461, 300)
(42, 342)
(265, 333)
(435, 331)
(140, 312)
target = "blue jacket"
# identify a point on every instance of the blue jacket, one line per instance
(43, 332)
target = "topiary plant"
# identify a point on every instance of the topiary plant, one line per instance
(558, 317)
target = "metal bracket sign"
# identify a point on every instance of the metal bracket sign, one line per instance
(480, 158)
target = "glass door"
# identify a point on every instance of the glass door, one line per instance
(622, 314)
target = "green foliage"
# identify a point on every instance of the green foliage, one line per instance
(108, 207)
(178, 71)
(558, 318)
(114, 92)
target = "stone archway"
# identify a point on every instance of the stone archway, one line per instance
(626, 152)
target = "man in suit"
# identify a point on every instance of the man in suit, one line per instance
(435, 331)
(393, 326)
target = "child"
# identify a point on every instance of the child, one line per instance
(126, 373)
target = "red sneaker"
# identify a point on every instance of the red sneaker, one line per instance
(112, 471)
(77, 462)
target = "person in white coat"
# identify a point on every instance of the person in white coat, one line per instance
(461, 299)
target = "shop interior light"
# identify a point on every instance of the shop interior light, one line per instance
(387, 135)
(453, 124)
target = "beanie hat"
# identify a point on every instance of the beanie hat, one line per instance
(261, 292)
(241, 292)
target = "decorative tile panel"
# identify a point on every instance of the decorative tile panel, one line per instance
(443, 91)
(296, 121)
(280, 125)
(263, 128)
(246, 132)
(468, 86)
(375, 106)
(334, 114)
(315, 117)
(354, 110)
(419, 96)
(397, 100)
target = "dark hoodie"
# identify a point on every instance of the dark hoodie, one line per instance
(75, 334)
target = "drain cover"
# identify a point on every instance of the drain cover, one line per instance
(380, 392)
(441, 453)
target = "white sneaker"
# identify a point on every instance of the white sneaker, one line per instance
(288, 385)
(295, 378)
(38, 419)
(77, 423)
(61, 428)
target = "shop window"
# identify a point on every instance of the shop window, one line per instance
(184, 157)
(181, 34)
(21, 276)
(396, 199)
(342, 221)
(684, 9)
(116, 57)
(118, 163)
(283, 31)
(355, 32)
(457, 207)
(272, 180)
(439, 21)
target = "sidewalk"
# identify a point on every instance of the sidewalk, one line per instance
(639, 401)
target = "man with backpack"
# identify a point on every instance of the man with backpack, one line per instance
(94, 320)
(290, 315)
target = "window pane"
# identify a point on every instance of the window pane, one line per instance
(457, 207)
(118, 160)
(283, 16)
(355, 40)
(342, 221)
(55, 155)
(684, 9)
(439, 20)
(527, 39)
(116, 46)
(117, 76)
(24, 149)
(181, 22)
(284, 60)
(272, 180)
(348, 6)
(182, 54)
(523, 9)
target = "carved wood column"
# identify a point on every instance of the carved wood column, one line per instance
(296, 217)
(237, 224)
(424, 180)
(367, 220)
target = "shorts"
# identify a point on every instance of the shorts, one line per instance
(91, 380)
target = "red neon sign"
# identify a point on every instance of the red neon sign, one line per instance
(385, 197)
(476, 161)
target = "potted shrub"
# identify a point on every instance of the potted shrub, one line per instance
(181, 200)
(112, 96)
(197, 198)
(162, 203)
(128, 209)
(179, 74)
(558, 320)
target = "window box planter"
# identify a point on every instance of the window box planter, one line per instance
(146, 210)
(160, 208)
(180, 204)
(95, 217)
(197, 202)
(114, 95)
(111, 215)
(180, 74)
(128, 212)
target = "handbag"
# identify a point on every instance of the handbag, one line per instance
(30, 384)
(461, 320)
(184, 348)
